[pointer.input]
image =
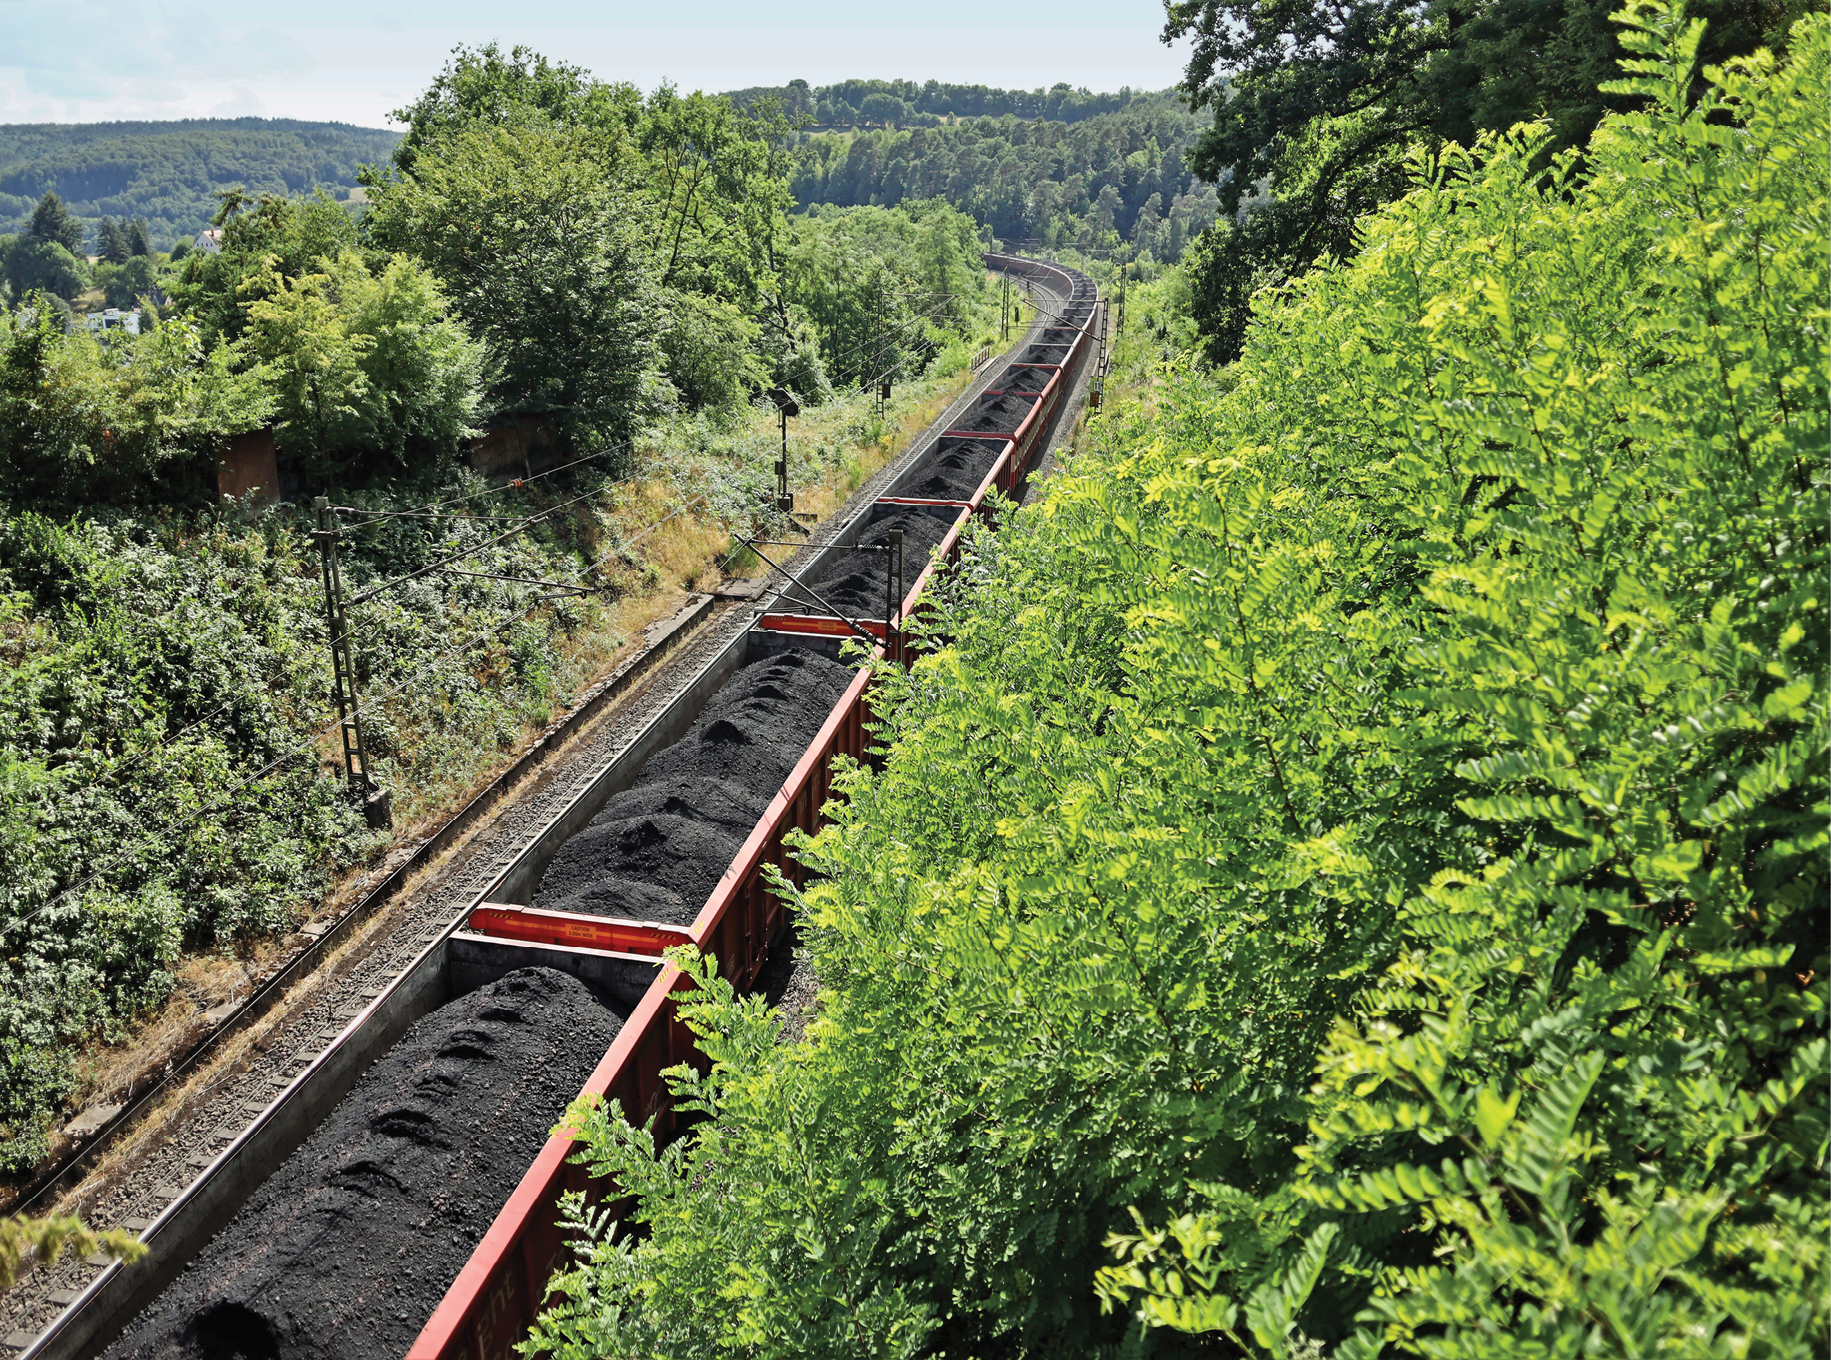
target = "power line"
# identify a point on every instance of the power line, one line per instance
(429, 510)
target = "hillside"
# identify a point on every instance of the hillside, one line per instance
(169, 173)
(1122, 171)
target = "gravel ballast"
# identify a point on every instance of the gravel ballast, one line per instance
(343, 1253)
(657, 850)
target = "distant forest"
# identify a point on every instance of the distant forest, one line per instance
(903, 103)
(1120, 173)
(1046, 166)
(169, 173)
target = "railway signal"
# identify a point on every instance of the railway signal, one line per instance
(785, 407)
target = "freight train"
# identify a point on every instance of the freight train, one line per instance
(374, 1206)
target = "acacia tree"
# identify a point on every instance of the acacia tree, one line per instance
(1317, 104)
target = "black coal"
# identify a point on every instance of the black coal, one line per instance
(344, 1252)
(1000, 414)
(1023, 379)
(854, 584)
(657, 850)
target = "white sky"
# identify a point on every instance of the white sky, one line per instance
(71, 61)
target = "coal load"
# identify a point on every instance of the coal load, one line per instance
(1001, 415)
(1044, 354)
(659, 848)
(854, 584)
(1018, 379)
(957, 471)
(344, 1252)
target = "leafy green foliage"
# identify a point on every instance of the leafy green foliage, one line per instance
(542, 253)
(46, 1239)
(33, 264)
(110, 241)
(136, 280)
(163, 693)
(1353, 879)
(261, 237)
(704, 292)
(366, 369)
(52, 220)
(882, 287)
(1315, 105)
(84, 421)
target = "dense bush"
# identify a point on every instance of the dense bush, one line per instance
(1355, 881)
(116, 853)
(83, 420)
(162, 690)
(366, 370)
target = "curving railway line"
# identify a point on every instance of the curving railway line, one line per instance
(397, 1193)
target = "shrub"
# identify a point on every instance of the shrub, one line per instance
(1354, 882)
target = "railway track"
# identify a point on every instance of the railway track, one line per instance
(725, 748)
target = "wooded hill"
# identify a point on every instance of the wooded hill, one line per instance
(1027, 163)
(169, 173)
(903, 103)
(1115, 176)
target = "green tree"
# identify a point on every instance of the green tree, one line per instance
(1319, 103)
(544, 252)
(1028, 181)
(708, 180)
(34, 264)
(137, 278)
(367, 371)
(138, 241)
(265, 241)
(879, 286)
(52, 221)
(111, 241)
(484, 85)
(44, 1240)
